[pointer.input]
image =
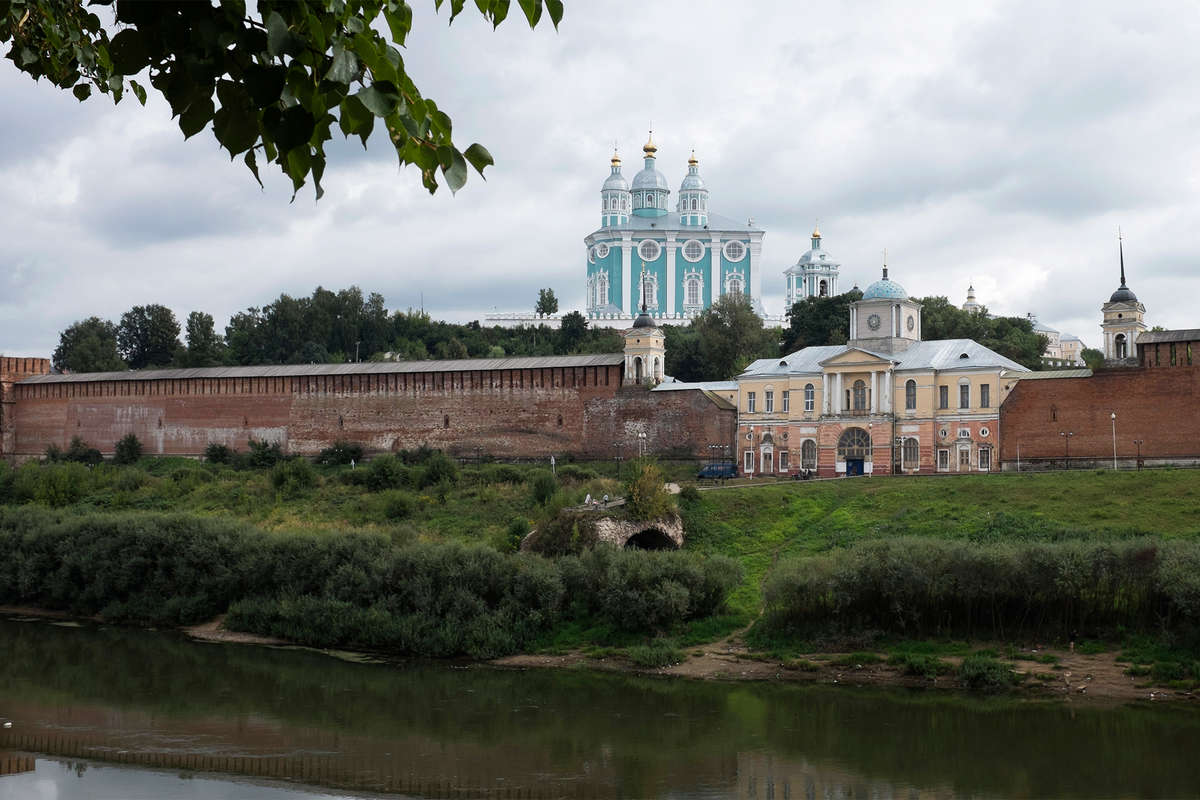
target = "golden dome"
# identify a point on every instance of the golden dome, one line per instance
(816, 234)
(616, 159)
(692, 161)
(650, 148)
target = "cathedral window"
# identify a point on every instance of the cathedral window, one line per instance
(591, 255)
(810, 397)
(695, 204)
(692, 292)
(693, 250)
(649, 249)
(601, 250)
(910, 395)
(735, 250)
(602, 289)
(733, 285)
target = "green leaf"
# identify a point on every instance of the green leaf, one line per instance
(456, 175)
(355, 119)
(197, 115)
(380, 98)
(252, 163)
(82, 92)
(344, 67)
(265, 84)
(296, 166)
(236, 128)
(139, 91)
(279, 39)
(399, 21)
(479, 157)
(128, 51)
(533, 11)
(290, 129)
(555, 7)
(499, 11)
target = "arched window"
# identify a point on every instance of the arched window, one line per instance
(824, 289)
(657, 374)
(910, 394)
(808, 454)
(734, 285)
(637, 369)
(810, 396)
(695, 204)
(860, 396)
(1121, 345)
(911, 454)
(853, 443)
(602, 289)
(692, 292)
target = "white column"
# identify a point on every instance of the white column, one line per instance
(889, 387)
(671, 246)
(825, 393)
(715, 248)
(874, 392)
(837, 393)
(755, 276)
(626, 273)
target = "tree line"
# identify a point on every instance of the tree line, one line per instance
(341, 326)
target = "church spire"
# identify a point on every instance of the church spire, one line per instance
(1121, 246)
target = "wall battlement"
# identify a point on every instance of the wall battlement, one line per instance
(13, 369)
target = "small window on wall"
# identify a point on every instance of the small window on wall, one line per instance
(748, 461)
(735, 250)
(809, 397)
(787, 405)
(911, 453)
(750, 402)
(985, 395)
(808, 454)
(964, 395)
(985, 459)
(783, 460)
(910, 394)
(943, 397)
(769, 402)
(943, 463)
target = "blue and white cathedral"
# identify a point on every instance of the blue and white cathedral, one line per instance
(675, 262)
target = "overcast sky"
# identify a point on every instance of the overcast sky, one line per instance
(995, 143)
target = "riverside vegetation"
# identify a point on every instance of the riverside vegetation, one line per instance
(414, 553)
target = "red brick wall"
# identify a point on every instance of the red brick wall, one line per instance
(1159, 406)
(506, 414)
(12, 370)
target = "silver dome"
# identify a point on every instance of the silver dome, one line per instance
(615, 182)
(650, 178)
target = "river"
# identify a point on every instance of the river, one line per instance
(104, 713)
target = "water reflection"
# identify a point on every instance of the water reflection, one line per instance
(160, 702)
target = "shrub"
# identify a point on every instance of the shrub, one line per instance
(219, 453)
(688, 493)
(341, 452)
(128, 450)
(984, 674)
(387, 472)
(79, 452)
(264, 454)
(517, 530)
(645, 495)
(397, 505)
(439, 468)
(62, 484)
(132, 479)
(920, 664)
(293, 477)
(542, 487)
(502, 473)
(565, 533)
(659, 653)
(576, 474)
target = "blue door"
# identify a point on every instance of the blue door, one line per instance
(854, 466)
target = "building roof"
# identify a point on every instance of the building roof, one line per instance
(671, 222)
(942, 354)
(1054, 373)
(364, 368)
(1182, 335)
(672, 385)
(885, 289)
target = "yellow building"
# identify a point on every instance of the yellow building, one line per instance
(885, 402)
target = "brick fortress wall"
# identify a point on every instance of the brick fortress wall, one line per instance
(509, 413)
(1158, 406)
(11, 371)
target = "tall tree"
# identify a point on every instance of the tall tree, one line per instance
(148, 336)
(1011, 337)
(571, 331)
(89, 345)
(729, 336)
(816, 321)
(205, 347)
(283, 72)
(547, 303)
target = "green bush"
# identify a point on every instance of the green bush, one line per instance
(502, 473)
(576, 474)
(920, 664)
(542, 487)
(565, 533)
(293, 477)
(79, 452)
(56, 485)
(216, 453)
(397, 504)
(128, 450)
(263, 454)
(341, 452)
(659, 653)
(646, 496)
(925, 587)
(439, 469)
(688, 493)
(131, 479)
(984, 674)
(387, 472)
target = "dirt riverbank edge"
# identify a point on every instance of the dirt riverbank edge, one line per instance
(1077, 677)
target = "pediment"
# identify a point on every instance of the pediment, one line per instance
(856, 356)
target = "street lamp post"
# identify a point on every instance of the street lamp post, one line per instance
(871, 449)
(1138, 442)
(1067, 446)
(1114, 426)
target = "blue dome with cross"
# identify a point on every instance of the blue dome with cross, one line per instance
(884, 289)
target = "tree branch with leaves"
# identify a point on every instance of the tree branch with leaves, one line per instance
(272, 83)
